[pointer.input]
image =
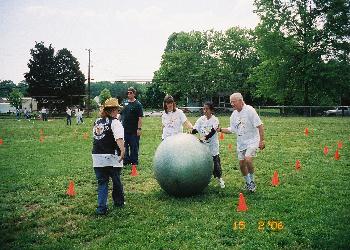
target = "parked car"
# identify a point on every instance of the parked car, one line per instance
(338, 111)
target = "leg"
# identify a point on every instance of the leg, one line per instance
(102, 189)
(217, 172)
(127, 148)
(118, 192)
(243, 167)
(134, 149)
(249, 164)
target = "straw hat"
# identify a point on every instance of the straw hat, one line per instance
(111, 103)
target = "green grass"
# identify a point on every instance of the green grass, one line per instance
(312, 204)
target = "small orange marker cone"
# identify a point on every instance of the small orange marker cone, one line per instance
(275, 180)
(242, 206)
(134, 170)
(340, 144)
(85, 136)
(306, 131)
(41, 139)
(1, 141)
(41, 131)
(336, 155)
(297, 165)
(230, 146)
(221, 136)
(70, 190)
(325, 150)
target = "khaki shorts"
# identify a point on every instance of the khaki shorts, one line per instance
(249, 152)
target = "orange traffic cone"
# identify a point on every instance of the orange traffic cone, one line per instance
(70, 190)
(306, 131)
(297, 165)
(336, 155)
(1, 141)
(340, 144)
(85, 136)
(230, 146)
(41, 139)
(134, 170)
(275, 180)
(325, 150)
(242, 206)
(221, 136)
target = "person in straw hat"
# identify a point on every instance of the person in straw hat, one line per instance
(107, 154)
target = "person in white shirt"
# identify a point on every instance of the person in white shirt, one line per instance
(206, 126)
(108, 152)
(246, 123)
(69, 116)
(173, 118)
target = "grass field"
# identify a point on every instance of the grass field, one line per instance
(310, 209)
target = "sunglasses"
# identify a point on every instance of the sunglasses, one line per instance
(130, 92)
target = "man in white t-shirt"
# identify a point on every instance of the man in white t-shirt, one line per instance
(246, 123)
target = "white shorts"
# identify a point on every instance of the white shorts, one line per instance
(249, 152)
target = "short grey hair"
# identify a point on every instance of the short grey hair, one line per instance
(237, 96)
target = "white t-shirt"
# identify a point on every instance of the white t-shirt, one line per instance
(172, 122)
(204, 126)
(102, 160)
(244, 124)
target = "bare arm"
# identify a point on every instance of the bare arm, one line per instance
(188, 124)
(139, 126)
(120, 143)
(262, 137)
(224, 130)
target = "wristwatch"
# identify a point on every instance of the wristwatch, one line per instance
(138, 128)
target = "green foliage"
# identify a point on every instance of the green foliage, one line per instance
(311, 203)
(104, 95)
(118, 89)
(15, 98)
(202, 64)
(153, 97)
(6, 87)
(54, 77)
(295, 41)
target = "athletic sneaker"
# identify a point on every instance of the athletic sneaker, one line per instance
(221, 182)
(251, 186)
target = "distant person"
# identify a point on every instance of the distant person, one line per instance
(78, 116)
(18, 113)
(173, 118)
(44, 112)
(69, 116)
(107, 155)
(246, 123)
(132, 114)
(206, 126)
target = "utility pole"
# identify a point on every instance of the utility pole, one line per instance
(88, 90)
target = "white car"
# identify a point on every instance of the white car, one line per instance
(338, 111)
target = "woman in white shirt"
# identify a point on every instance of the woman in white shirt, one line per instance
(173, 118)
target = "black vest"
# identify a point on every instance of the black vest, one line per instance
(104, 142)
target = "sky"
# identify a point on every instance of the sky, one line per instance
(126, 38)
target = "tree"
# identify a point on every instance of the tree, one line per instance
(42, 76)
(15, 98)
(71, 79)
(54, 77)
(6, 86)
(295, 40)
(104, 95)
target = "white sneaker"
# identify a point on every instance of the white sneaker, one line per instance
(221, 182)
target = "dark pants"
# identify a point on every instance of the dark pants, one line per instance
(217, 172)
(132, 142)
(102, 176)
(69, 120)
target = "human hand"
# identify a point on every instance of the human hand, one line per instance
(262, 145)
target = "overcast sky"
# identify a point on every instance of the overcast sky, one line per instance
(127, 38)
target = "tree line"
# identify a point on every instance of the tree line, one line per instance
(297, 55)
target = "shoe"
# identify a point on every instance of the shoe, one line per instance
(251, 186)
(221, 182)
(119, 205)
(100, 211)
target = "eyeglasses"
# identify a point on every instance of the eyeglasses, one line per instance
(130, 92)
